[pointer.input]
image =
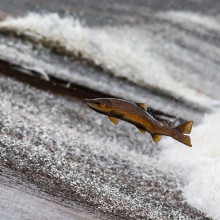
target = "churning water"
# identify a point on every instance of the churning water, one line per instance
(175, 55)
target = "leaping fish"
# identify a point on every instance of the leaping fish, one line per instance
(136, 114)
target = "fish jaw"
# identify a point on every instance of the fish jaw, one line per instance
(98, 107)
(92, 105)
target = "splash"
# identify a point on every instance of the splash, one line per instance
(136, 54)
(184, 17)
(126, 51)
(199, 166)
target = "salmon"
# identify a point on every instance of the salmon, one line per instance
(136, 114)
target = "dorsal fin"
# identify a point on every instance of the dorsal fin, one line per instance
(141, 130)
(156, 137)
(113, 120)
(185, 128)
(142, 105)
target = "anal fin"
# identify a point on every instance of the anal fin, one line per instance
(141, 130)
(156, 137)
(113, 120)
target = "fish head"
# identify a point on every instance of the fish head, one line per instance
(102, 105)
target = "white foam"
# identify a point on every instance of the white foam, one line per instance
(191, 18)
(199, 166)
(126, 51)
(130, 53)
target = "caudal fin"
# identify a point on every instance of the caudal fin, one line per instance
(185, 139)
(185, 128)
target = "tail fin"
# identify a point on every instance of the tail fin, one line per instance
(185, 128)
(185, 139)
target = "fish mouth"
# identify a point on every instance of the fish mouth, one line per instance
(92, 105)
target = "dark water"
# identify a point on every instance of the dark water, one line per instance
(60, 151)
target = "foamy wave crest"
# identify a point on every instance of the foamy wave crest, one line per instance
(199, 165)
(127, 51)
(133, 53)
(190, 18)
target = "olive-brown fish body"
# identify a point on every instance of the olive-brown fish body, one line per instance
(131, 112)
(136, 114)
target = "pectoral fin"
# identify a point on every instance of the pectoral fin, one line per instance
(141, 130)
(156, 137)
(113, 120)
(142, 105)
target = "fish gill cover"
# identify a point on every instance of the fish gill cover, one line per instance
(145, 58)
